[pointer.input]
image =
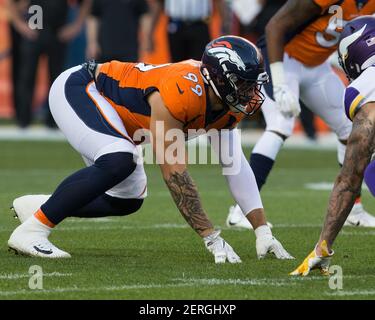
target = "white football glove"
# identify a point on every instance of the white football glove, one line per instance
(286, 100)
(313, 261)
(221, 250)
(267, 243)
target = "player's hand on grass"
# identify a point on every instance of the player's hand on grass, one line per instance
(315, 260)
(267, 243)
(221, 250)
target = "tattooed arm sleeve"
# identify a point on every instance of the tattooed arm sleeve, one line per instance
(348, 183)
(185, 194)
(183, 189)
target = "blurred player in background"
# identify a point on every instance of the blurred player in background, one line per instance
(299, 40)
(357, 57)
(253, 16)
(106, 26)
(188, 25)
(101, 107)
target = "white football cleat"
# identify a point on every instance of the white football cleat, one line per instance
(237, 219)
(24, 207)
(359, 217)
(31, 239)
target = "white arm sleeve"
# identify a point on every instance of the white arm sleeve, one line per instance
(236, 169)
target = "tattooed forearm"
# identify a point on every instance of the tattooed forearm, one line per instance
(348, 184)
(186, 197)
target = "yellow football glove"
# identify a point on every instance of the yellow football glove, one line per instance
(313, 261)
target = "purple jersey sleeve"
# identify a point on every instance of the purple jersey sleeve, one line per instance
(352, 101)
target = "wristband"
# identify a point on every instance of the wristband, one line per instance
(262, 231)
(277, 73)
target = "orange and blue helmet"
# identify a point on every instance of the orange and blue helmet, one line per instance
(233, 67)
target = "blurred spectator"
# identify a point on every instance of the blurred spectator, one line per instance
(113, 29)
(32, 43)
(247, 12)
(188, 25)
(76, 50)
(21, 7)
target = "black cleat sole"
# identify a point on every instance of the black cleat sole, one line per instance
(15, 216)
(16, 252)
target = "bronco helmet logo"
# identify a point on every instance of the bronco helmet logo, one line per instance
(224, 54)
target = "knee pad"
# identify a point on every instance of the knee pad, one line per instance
(119, 165)
(370, 177)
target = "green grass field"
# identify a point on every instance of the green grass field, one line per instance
(154, 255)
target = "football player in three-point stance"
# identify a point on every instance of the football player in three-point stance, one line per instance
(100, 109)
(357, 57)
(299, 40)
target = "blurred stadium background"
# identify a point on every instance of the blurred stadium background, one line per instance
(250, 26)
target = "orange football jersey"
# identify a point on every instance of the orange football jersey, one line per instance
(181, 86)
(318, 40)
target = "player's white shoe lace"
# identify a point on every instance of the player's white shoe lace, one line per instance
(237, 219)
(359, 217)
(31, 239)
(24, 207)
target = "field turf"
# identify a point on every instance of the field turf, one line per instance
(154, 255)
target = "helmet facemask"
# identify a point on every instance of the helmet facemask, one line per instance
(246, 95)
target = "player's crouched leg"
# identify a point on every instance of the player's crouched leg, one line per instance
(72, 198)
(87, 193)
(24, 207)
(106, 205)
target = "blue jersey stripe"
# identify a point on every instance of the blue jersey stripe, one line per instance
(84, 107)
(133, 99)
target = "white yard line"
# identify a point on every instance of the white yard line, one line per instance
(197, 282)
(324, 186)
(93, 289)
(237, 282)
(107, 226)
(359, 233)
(344, 293)
(115, 226)
(184, 283)
(16, 276)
